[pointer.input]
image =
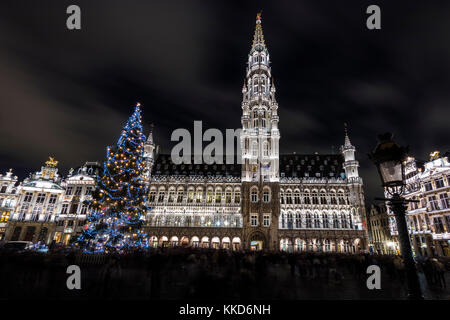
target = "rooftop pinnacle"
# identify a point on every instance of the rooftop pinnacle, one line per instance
(258, 38)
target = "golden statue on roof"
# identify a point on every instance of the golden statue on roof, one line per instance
(435, 155)
(51, 162)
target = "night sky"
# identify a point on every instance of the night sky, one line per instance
(68, 93)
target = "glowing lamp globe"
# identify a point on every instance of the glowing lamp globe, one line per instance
(389, 158)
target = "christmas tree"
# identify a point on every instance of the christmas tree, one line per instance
(118, 202)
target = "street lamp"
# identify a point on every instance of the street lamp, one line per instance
(389, 159)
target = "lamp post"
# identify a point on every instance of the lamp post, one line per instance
(389, 159)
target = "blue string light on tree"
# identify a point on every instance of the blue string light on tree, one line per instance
(118, 205)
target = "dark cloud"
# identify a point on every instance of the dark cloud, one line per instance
(67, 94)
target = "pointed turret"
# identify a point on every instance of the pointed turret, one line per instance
(348, 151)
(149, 153)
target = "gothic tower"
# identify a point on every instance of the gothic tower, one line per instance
(260, 149)
(149, 154)
(356, 194)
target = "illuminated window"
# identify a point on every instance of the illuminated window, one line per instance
(254, 220)
(266, 220)
(266, 195)
(254, 195)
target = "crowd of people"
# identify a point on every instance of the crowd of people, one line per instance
(194, 273)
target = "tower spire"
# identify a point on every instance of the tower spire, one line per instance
(258, 37)
(347, 142)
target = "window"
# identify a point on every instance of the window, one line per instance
(428, 186)
(171, 196)
(325, 221)
(323, 199)
(64, 208)
(439, 227)
(307, 198)
(254, 220)
(335, 221)
(289, 197)
(341, 199)
(237, 196)
(52, 199)
(433, 203)
(84, 209)
(228, 196)
(298, 221)
(78, 191)
(88, 191)
(266, 195)
(315, 199)
(28, 197)
(218, 195)
(444, 200)
(266, 220)
(180, 195)
(40, 198)
(209, 196)
(439, 183)
(297, 197)
(3, 189)
(308, 220)
(254, 195)
(199, 195)
(161, 196)
(152, 196)
(316, 221)
(69, 191)
(290, 221)
(24, 208)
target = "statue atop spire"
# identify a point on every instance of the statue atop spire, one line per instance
(258, 38)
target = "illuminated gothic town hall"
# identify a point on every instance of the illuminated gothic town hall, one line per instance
(271, 201)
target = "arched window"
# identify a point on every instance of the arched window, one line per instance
(209, 196)
(228, 196)
(180, 193)
(335, 221)
(289, 197)
(199, 195)
(152, 197)
(323, 199)
(290, 221)
(298, 221)
(315, 199)
(282, 200)
(266, 195)
(307, 198)
(161, 195)
(316, 221)
(297, 197)
(254, 195)
(333, 198)
(218, 195)
(308, 220)
(325, 223)
(237, 195)
(190, 197)
(171, 195)
(341, 199)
